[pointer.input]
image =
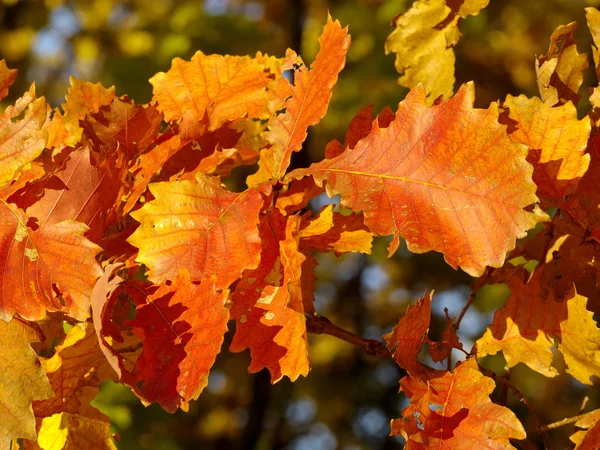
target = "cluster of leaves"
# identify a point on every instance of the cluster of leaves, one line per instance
(116, 227)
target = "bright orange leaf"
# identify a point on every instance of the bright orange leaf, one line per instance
(182, 327)
(7, 77)
(38, 264)
(268, 304)
(305, 102)
(200, 226)
(453, 410)
(437, 176)
(83, 98)
(222, 88)
(333, 231)
(407, 338)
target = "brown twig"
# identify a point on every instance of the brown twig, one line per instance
(540, 428)
(322, 325)
(567, 421)
(464, 310)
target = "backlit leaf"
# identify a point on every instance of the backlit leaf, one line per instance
(305, 102)
(268, 304)
(588, 431)
(22, 136)
(223, 88)
(87, 428)
(445, 178)
(525, 329)
(22, 380)
(38, 264)
(7, 77)
(453, 410)
(557, 142)
(78, 362)
(83, 98)
(200, 226)
(424, 41)
(560, 72)
(407, 338)
(333, 231)
(182, 327)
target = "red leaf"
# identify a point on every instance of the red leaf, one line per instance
(183, 326)
(407, 338)
(268, 304)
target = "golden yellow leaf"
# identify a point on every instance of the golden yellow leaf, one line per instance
(525, 329)
(424, 41)
(22, 380)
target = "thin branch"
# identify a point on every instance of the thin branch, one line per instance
(322, 325)
(464, 310)
(567, 421)
(540, 428)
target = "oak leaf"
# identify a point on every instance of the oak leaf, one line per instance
(201, 226)
(587, 435)
(50, 268)
(333, 231)
(22, 134)
(557, 143)
(77, 362)
(453, 410)
(592, 16)
(83, 98)
(7, 78)
(560, 72)
(79, 191)
(22, 380)
(424, 41)
(525, 329)
(222, 88)
(439, 177)
(123, 126)
(407, 338)
(182, 327)
(87, 428)
(268, 304)
(305, 102)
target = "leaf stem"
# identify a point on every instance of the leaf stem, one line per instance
(322, 325)
(464, 310)
(566, 421)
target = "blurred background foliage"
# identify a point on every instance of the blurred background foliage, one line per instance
(348, 399)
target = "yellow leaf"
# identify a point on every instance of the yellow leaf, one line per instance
(22, 380)
(424, 41)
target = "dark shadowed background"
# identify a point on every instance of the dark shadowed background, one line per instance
(348, 399)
